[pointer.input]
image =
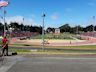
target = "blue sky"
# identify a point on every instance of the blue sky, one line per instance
(58, 12)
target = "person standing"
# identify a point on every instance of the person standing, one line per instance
(5, 46)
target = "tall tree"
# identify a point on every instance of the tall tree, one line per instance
(15, 25)
(89, 28)
(1, 27)
(65, 28)
(49, 29)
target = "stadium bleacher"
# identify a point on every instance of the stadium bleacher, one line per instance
(91, 34)
(19, 33)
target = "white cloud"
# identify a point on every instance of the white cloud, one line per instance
(29, 21)
(55, 16)
(19, 19)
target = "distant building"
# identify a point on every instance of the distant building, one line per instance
(57, 31)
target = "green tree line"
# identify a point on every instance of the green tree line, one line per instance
(63, 28)
(76, 29)
(21, 27)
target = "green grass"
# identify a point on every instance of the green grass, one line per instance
(76, 47)
(62, 51)
(82, 46)
(19, 50)
(52, 36)
(48, 51)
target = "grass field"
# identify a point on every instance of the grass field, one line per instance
(36, 41)
(53, 36)
(72, 47)
(77, 47)
(52, 51)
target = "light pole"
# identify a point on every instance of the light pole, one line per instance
(23, 25)
(93, 23)
(43, 16)
(77, 29)
(4, 3)
(4, 22)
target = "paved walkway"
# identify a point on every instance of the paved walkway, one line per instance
(9, 62)
(33, 63)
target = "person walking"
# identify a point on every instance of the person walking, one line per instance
(5, 46)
